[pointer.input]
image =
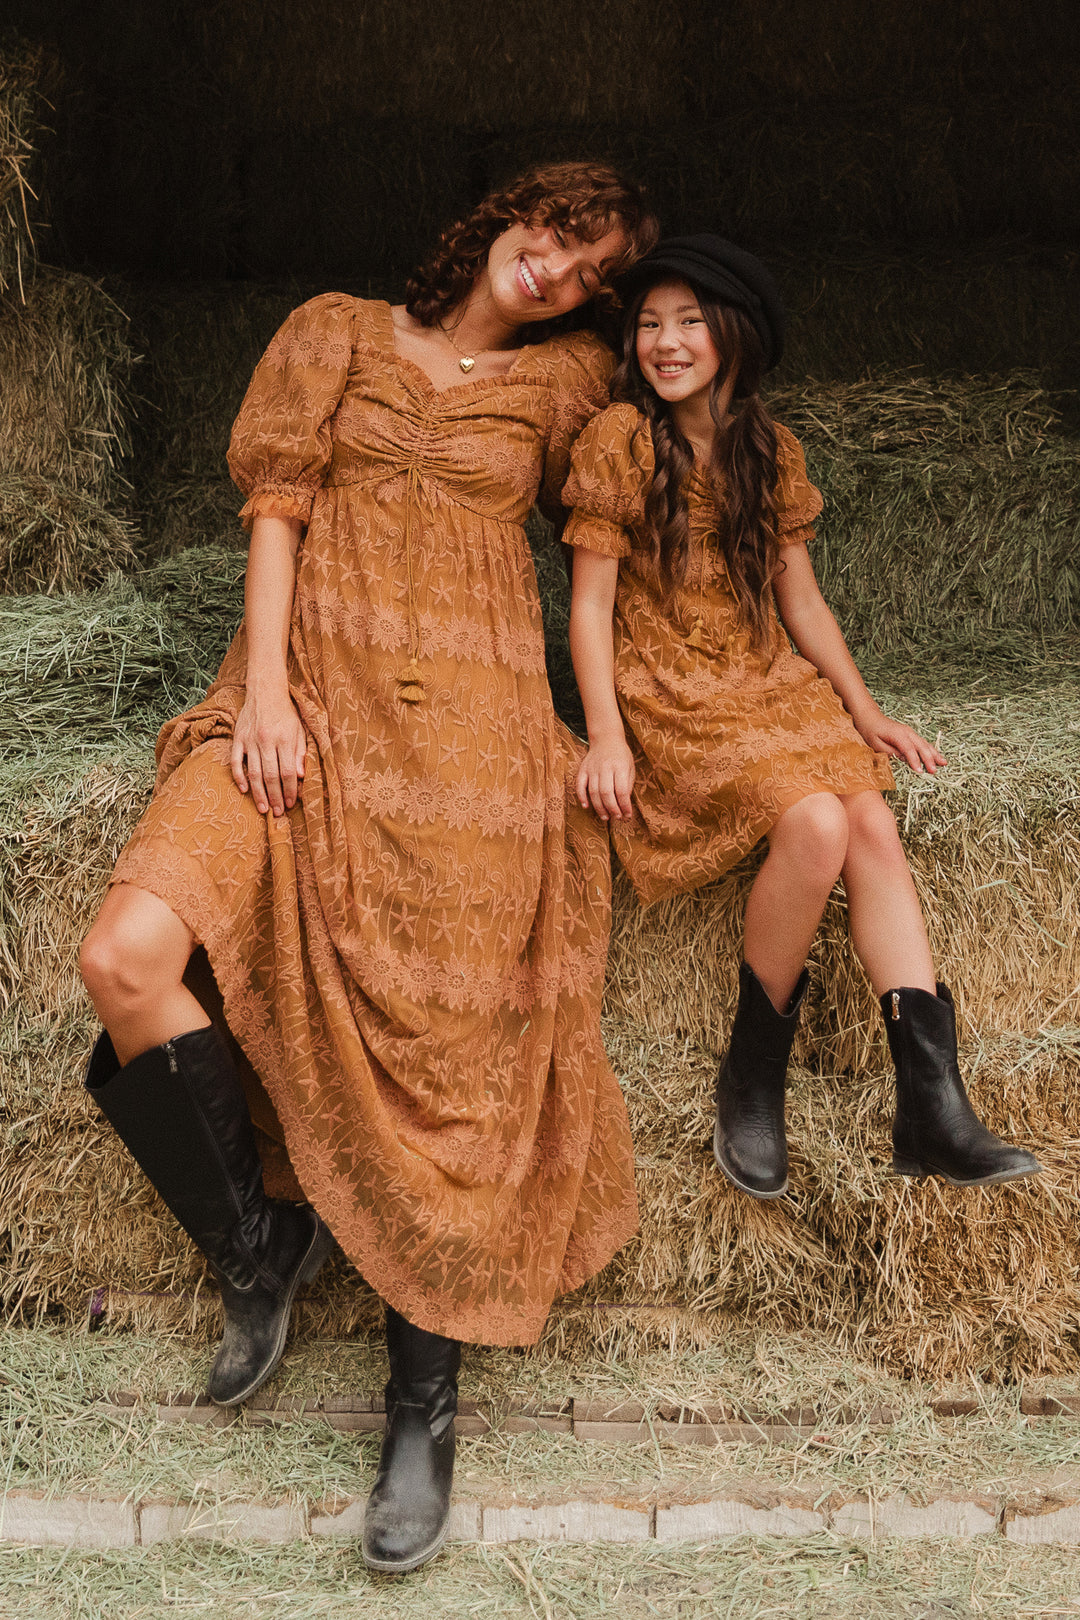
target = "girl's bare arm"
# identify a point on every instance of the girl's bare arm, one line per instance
(805, 616)
(606, 775)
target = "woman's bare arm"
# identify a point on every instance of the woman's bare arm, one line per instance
(269, 743)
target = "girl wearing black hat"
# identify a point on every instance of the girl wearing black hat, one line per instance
(692, 513)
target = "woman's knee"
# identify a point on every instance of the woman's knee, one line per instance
(813, 834)
(133, 952)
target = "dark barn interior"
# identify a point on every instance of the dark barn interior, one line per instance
(185, 174)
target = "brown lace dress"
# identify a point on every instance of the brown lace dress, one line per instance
(725, 738)
(412, 958)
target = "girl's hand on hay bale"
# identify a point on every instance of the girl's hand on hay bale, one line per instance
(890, 737)
(270, 741)
(605, 779)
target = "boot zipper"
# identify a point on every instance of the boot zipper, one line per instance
(174, 1067)
(895, 1006)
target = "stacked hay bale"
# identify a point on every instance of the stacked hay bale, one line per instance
(925, 1277)
(66, 364)
(949, 552)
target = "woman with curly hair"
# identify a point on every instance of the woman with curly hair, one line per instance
(367, 826)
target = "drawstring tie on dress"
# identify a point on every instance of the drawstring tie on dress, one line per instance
(411, 680)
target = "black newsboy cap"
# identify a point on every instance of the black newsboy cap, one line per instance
(718, 267)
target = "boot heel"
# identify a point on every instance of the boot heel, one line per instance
(317, 1255)
(909, 1167)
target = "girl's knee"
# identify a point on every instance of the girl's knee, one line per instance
(872, 828)
(814, 833)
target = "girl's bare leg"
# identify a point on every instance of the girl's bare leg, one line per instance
(807, 848)
(133, 962)
(884, 914)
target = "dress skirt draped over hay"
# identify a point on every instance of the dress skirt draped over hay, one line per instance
(412, 958)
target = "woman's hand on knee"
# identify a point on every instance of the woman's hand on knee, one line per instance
(268, 751)
(891, 737)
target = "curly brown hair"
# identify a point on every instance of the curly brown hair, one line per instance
(742, 469)
(588, 199)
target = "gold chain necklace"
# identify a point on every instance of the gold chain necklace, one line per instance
(467, 361)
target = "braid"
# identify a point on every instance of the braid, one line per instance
(667, 519)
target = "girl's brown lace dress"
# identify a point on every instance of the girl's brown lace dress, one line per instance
(412, 957)
(725, 738)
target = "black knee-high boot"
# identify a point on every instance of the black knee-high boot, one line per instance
(936, 1130)
(750, 1140)
(181, 1112)
(407, 1511)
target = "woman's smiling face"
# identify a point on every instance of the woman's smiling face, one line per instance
(537, 270)
(675, 349)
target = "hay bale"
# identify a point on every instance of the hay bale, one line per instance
(949, 503)
(994, 845)
(56, 538)
(66, 363)
(200, 343)
(864, 309)
(21, 66)
(96, 666)
(925, 1278)
(928, 1280)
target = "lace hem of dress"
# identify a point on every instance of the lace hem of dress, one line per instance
(165, 871)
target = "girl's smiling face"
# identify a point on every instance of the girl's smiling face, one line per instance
(675, 349)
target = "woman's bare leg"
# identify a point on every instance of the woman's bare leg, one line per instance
(884, 914)
(807, 847)
(132, 963)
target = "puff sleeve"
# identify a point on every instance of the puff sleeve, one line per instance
(281, 443)
(798, 502)
(580, 376)
(611, 467)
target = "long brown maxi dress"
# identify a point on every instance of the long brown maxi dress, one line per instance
(412, 957)
(725, 736)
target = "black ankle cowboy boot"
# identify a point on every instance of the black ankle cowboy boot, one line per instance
(749, 1142)
(409, 1506)
(936, 1131)
(181, 1112)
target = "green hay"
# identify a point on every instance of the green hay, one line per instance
(21, 67)
(126, 656)
(66, 364)
(55, 538)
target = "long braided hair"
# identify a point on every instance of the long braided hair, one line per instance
(741, 472)
(588, 199)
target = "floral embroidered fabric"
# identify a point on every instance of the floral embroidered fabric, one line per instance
(725, 738)
(412, 958)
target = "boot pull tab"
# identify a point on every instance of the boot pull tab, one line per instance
(895, 1006)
